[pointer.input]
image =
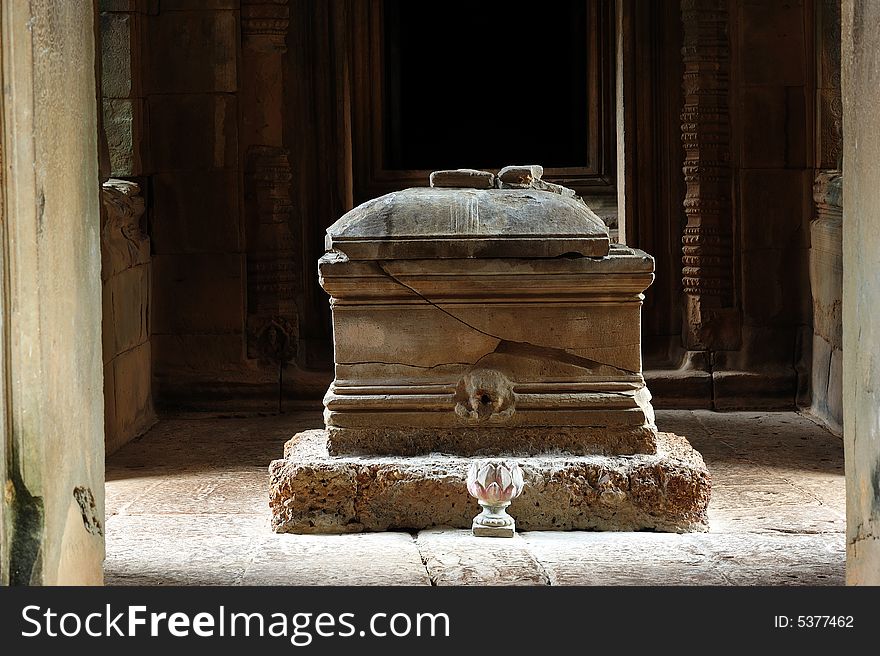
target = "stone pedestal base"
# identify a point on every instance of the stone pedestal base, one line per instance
(481, 531)
(314, 492)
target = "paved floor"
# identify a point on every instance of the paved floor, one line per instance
(187, 504)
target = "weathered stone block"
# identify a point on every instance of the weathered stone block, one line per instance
(679, 388)
(771, 290)
(198, 293)
(124, 129)
(413, 336)
(763, 116)
(192, 52)
(772, 390)
(120, 60)
(111, 425)
(198, 353)
(463, 178)
(775, 208)
(134, 398)
(196, 212)
(520, 176)
(198, 131)
(314, 492)
(130, 291)
(108, 339)
(772, 32)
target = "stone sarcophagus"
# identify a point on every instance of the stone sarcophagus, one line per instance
(485, 316)
(484, 321)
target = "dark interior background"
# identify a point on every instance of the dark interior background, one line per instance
(485, 84)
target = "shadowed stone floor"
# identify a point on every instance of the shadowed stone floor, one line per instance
(187, 504)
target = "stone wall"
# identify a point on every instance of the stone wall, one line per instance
(126, 268)
(746, 134)
(124, 111)
(860, 52)
(771, 92)
(191, 84)
(50, 391)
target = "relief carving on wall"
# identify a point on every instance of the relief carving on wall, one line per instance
(124, 241)
(830, 105)
(272, 264)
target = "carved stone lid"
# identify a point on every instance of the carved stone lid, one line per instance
(468, 222)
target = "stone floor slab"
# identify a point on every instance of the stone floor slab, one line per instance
(457, 557)
(360, 559)
(622, 559)
(189, 549)
(224, 492)
(774, 559)
(120, 494)
(758, 496)
(792, 519)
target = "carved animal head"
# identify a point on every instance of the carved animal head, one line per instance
(483, 394)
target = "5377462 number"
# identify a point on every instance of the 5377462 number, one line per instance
(822, 621)
(813, 621)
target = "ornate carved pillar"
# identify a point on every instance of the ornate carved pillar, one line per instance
(711, 318)
(272, 264)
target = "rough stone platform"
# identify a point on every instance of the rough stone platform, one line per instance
(314, 492)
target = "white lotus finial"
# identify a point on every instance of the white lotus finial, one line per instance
(494, 483)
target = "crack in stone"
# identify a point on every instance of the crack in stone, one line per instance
(511, 347)
(527, 349)
(424, 558)
(407, 364)
(542, 569)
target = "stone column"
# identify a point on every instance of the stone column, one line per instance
(861, 287)
(51, 406)
(272, 259)
(711, 319)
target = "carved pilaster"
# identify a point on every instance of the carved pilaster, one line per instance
(829, 106)
(826, 256)
(707, 248)
(264, 24)
(272, 264)
(826, 284)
